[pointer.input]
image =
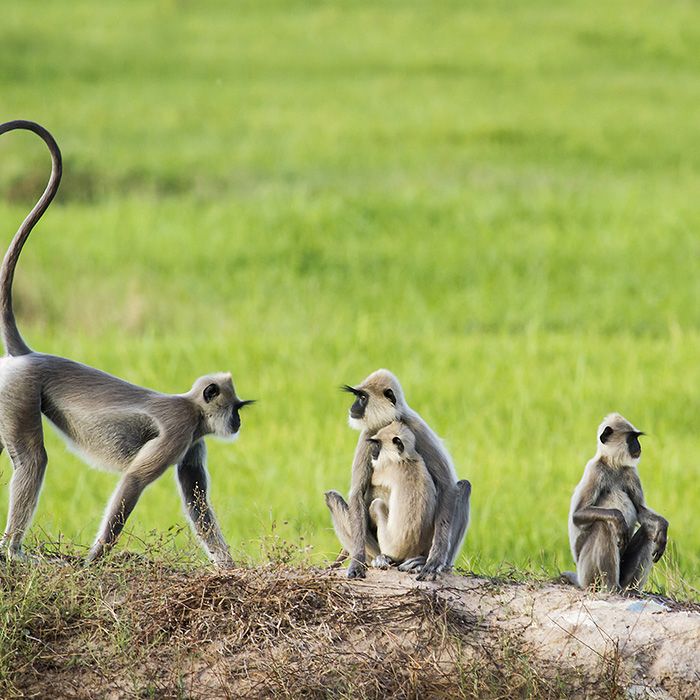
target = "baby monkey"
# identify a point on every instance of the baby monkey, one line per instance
(609, 549)
(403, 507)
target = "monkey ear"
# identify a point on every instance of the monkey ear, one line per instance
(390, 395)
(606, 434)
(398, 443)
(211, 392)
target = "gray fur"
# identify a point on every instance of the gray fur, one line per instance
(111, 423)
(614, 537)
(452, 512)
(403, 498)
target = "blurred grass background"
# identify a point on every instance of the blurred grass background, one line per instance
(497, 201)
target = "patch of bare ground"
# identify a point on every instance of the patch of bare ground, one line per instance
(138, 628)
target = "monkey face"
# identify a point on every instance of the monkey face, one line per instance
(635, 449)
(378, 401)
(220, 405)
(619, 441)
(393, 443)
(359, 406)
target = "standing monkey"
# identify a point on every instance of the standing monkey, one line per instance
(606, 507)
(402, 508)
(135, 431)
(379, 400)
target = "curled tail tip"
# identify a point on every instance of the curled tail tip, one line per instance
(569, 577)
(12, 339)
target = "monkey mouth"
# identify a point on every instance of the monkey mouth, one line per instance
(234, 424)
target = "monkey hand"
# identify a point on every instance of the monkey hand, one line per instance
(357, 569)
(430, 571)
(659, 540)
(621, 529)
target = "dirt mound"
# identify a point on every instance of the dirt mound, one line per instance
(134, 628)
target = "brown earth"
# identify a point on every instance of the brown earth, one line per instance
(143, 629)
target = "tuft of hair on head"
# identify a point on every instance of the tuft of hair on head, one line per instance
(615, 423)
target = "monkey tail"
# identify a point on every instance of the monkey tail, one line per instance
(14, 343)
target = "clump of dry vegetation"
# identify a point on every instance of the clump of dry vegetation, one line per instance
(134, 627)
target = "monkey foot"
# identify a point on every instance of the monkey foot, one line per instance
(430, 571)
(383, 562)
(412, 565)
(357, 569)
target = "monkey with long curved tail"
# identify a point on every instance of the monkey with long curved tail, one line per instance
(132, 430)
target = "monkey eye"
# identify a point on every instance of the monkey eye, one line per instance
(210, 393)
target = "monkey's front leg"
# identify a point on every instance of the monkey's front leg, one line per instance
(359, 517)
(193, 481)
(379, 513)
(590, 515)
(150, 462)
(657, 527)
(439, 551)
(118, 510)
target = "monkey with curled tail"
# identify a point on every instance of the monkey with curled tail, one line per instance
(134, 431)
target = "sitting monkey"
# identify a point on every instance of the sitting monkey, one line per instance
(609, 549)
(404, 497)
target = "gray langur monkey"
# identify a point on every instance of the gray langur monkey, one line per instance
(402, 508)
(609, 549)
(379, 400)
(111, 423)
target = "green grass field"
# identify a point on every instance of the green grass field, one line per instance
(498, 202)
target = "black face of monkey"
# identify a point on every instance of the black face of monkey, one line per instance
(235, 421)
(357, 410)
(631, 438)
(633, 444)
(375, 447)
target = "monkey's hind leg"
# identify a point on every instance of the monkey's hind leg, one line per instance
(24, 439)
(460, 521)
(599, 558)
(340, 515)
(637, 560)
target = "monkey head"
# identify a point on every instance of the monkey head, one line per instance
(618, 441)
(216, 398)
(393, 443)
(378, 401)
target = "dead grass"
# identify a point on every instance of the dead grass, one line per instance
(135, 627)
